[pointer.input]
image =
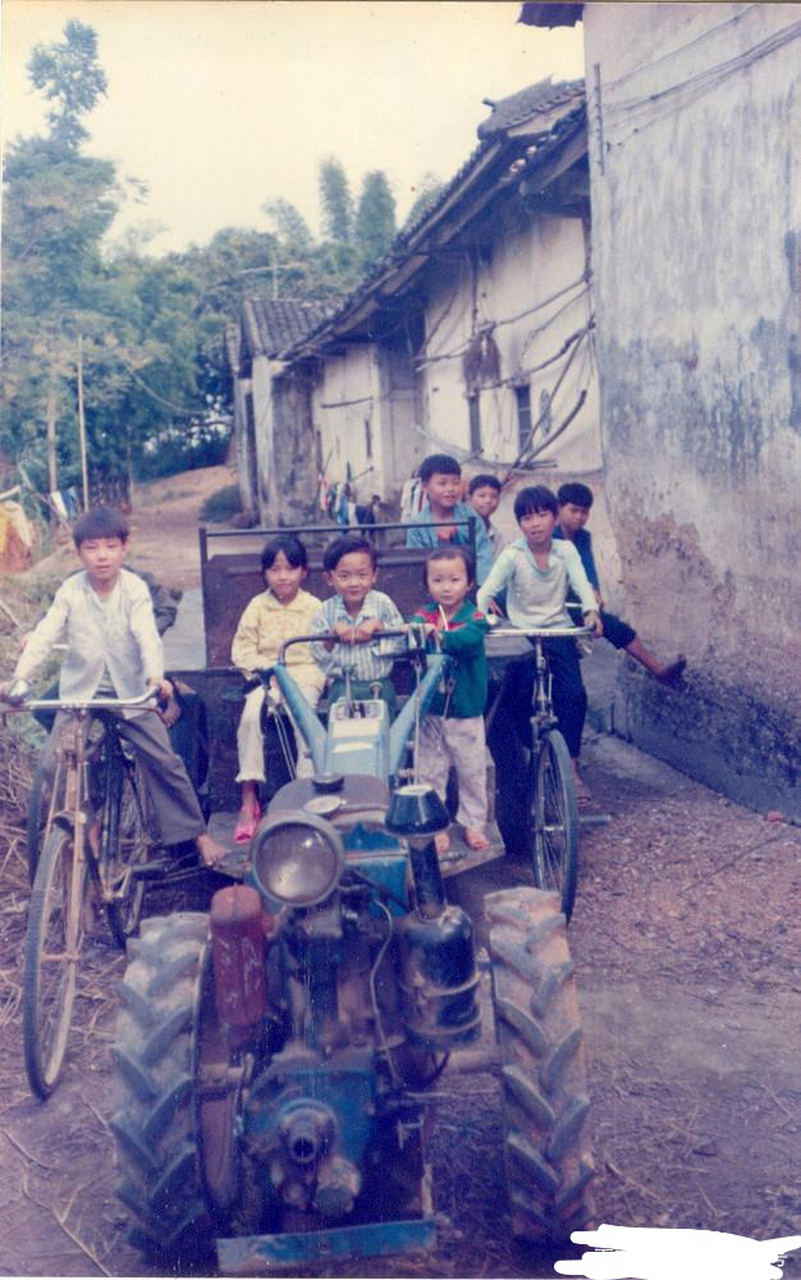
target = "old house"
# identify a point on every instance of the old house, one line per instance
(473, 335)
(263, 450)
(693, 116)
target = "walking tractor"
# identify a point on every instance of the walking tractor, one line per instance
(276, 1058)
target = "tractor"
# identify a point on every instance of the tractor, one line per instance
(276, 1057)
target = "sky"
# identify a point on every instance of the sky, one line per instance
(220, 105)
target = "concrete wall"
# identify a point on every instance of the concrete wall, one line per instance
(695, 209)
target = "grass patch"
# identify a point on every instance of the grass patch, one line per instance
(221, 506)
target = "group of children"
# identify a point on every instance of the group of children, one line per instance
(113, 646)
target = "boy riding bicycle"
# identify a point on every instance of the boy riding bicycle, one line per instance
(538, 573)
(113, 649)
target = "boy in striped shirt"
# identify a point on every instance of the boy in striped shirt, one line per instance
(354, 615)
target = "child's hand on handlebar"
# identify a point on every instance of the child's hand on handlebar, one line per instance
(593, 619)
(345, 632)
(163, 687)
(366, 630)
(14, 692)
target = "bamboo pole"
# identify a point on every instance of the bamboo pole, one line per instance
(82, 426)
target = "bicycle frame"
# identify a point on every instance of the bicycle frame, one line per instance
(542, 713)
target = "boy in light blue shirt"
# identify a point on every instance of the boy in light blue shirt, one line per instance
(441, 479)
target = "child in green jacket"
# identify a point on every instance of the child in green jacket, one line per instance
(453, 731)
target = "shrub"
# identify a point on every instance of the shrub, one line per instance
(221, 507)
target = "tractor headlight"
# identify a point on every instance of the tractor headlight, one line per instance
(297, 858)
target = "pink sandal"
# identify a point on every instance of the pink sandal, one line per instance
(246, 826)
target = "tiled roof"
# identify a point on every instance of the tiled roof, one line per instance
(541, 98)
(270, 325)
(537, 99)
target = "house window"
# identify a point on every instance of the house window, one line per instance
(546, 412)
(523, 398)
(475, 424)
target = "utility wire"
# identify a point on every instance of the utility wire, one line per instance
(673, 53)
(711, 75)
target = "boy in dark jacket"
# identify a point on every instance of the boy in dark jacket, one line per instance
(453, 731)
(575, 502)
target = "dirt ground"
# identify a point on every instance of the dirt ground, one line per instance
(685, 940)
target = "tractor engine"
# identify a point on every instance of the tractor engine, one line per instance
(341, 1000)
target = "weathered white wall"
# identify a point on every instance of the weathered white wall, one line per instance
(263, 371)
(242, 448)
(695, 208)
(529, 263)
(348, 412)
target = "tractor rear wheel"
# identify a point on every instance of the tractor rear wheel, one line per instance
(549, 1164)
(155, 1115)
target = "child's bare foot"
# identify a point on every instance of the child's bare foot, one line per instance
(442, 842)
(476, 840)
(211, 853)
(583, 793)
(671, 674)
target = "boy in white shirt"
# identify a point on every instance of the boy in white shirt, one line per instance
(105, 614)
(538, 573)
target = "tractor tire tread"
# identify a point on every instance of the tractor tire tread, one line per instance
(157, 1153)
(544, 1077)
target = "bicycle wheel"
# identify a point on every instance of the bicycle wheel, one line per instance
(555, 821)
(125, 849)
(52, 954)
(38, 810)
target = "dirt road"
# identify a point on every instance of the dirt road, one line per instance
(685, 938)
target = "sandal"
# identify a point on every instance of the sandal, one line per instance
(442, 842)
(246, 826)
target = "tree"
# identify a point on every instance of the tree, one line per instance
(68, 74)
(139, 323)
(375, 218)
(428, 188)
(290, 225)
(335, 202)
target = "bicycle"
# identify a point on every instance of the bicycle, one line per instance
(90, 763)
(553, 806)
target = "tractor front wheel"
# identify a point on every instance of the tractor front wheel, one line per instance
(548, 1160)
(157, 1120)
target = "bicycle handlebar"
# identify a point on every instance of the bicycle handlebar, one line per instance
(540, 633)
(17, 700)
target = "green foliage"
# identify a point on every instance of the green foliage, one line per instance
(330, 268)
(69, 76)
(291, 226)
(375, 218)
(222, 506)
(335, 201)
(428, 188)
(177, 449)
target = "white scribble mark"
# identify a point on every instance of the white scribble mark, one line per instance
(655, 1253)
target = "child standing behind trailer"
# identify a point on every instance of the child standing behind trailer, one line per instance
(282, 611)
(453, 731)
